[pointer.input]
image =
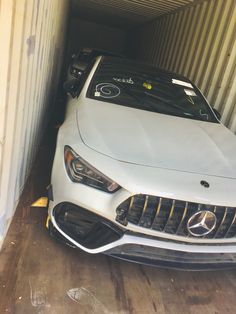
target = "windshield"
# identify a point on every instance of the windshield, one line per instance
(131, 84)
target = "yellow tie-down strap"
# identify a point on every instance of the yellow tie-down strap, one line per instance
(47, 222)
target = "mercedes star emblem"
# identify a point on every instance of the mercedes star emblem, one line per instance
(201, 223)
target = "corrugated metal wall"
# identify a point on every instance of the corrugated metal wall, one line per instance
(200, 43)
(125, 13)
(31, 45)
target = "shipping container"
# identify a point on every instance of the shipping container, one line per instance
(194, 38)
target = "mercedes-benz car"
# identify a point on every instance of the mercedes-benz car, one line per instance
(143, 170)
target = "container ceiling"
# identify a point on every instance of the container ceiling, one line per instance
(125, 13)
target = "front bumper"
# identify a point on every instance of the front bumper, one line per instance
(83, 229)
(173, 259)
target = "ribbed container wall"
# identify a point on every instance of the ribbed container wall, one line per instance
(200, 43)
(31, 44)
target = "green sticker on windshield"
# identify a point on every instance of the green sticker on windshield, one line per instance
(147, 85)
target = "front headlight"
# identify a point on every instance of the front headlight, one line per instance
(82, 172)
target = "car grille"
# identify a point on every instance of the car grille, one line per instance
(171, 216)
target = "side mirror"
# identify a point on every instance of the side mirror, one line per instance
(72, 87)
(216, 112)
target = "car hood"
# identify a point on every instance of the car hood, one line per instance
(157, 140)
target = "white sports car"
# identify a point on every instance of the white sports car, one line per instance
(143, 169)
